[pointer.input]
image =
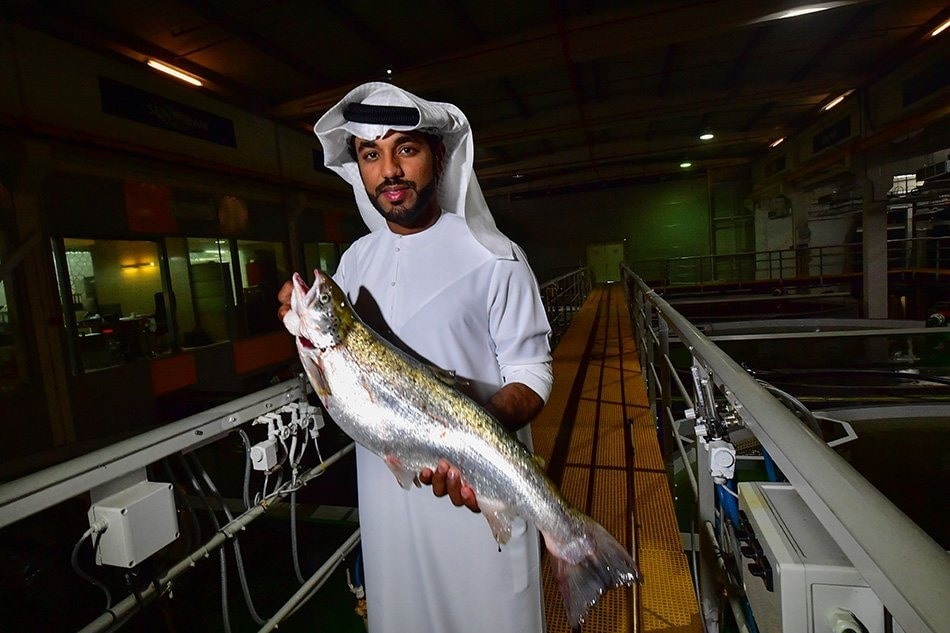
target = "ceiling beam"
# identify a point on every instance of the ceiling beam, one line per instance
(670, 150)
(601, 36)
(239, 30)
(839, 37)
(77, 28)
(607, 175)
(752, 45)
(619, 112)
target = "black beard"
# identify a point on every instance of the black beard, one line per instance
(408, 217)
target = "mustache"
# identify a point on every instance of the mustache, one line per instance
(394, 182)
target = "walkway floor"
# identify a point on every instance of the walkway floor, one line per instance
(597, 437)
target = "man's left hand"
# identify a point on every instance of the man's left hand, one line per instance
(447, 480)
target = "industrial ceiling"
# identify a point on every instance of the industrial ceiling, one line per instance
(560, 93)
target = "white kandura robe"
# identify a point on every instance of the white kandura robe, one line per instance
(431, 567)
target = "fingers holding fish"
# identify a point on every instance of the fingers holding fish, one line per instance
(447, 480)
(290, 319)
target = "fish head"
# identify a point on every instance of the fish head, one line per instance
(319, 316)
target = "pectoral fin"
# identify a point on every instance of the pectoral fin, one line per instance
(407, 478)
(314, 368)
(499, 517)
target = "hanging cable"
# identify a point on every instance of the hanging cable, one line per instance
(293, 537)
(793, 403)
(242, 576)
(193, 535)
(225, 615)
(97, 528)
(247, 468)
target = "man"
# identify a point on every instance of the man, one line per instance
(437, 278)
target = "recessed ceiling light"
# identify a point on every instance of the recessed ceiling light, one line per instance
(686, 164)
(707, 135)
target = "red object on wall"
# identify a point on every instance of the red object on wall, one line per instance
(251, 354)
(149, 207)
(171, 373)
(255, 273)
(331, 226)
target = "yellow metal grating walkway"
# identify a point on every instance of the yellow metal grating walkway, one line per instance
(598, 438)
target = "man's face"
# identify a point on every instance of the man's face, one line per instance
(399, 172)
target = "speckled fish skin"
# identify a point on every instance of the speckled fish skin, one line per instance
(404, 412)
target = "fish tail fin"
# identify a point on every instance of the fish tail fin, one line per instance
(604, 564)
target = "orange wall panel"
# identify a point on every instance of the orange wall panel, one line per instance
(261, 351)
(173, 372)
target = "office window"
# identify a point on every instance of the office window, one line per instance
(116, 300)
(322, 255)
(263, 269)
(203, 286)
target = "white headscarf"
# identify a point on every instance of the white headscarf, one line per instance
(458, 188)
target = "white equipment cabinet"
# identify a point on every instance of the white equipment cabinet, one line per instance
(796, 577)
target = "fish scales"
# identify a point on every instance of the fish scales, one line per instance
(400, 409)
(422, 419)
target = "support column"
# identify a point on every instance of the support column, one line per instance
(43, 310)
(873, 254)
(801, 232)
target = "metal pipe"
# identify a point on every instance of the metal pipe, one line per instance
(313, 583)
(124, 609)
(679, 383)
(28, 495)
(734, 605)
(682, 449)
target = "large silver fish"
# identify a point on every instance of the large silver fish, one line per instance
(407, 414)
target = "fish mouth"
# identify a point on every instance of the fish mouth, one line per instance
(303, 296)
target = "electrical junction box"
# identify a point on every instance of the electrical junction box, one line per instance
(796, 578)
(141, 520)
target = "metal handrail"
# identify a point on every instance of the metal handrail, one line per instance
(562, 297)
(918, 253)
(908, 570)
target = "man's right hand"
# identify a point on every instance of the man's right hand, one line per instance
(447, 480)
(284, 298)
(291, 322)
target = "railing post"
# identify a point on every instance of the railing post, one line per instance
(666, 425)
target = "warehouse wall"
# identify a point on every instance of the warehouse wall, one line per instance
(50, 87)
(662, 220)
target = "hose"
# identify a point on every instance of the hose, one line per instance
(242, 575)
(795, 403)
(293, 537)
(114, 617)
(247, 469)
(225, 616)
(98, 529)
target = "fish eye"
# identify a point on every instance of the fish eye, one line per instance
(324, 297)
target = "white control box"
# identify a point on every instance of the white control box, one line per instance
(141, 520)
(796, 577)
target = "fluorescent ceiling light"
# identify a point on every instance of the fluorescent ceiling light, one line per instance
(940, 29)
(174, 72)
(805, 9)
(686, 164)
(777, 142)
(835, 101)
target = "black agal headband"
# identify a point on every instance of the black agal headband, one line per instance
(381, 114)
